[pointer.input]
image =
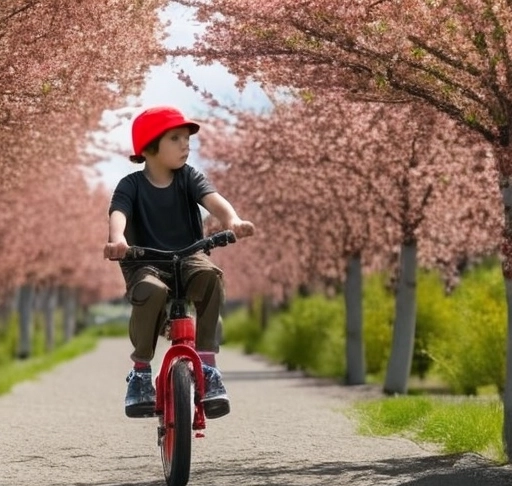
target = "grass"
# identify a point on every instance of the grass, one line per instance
(17, 371)
(455, 424)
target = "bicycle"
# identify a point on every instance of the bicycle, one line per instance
(179, 383)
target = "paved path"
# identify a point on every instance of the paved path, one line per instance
(68, 429)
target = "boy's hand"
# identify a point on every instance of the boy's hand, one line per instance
(115, 250)
(242, 228)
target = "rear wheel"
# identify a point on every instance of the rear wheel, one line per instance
(176, 426)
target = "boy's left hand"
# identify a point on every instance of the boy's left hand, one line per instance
(242, 228)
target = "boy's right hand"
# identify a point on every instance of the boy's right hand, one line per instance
(115, 250)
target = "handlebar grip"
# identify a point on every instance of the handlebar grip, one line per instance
(223, 238)
(135, 251)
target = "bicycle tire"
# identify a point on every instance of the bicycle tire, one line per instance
(176, 442)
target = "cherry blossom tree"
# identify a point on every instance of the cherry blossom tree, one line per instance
(453, 55)
(348, 174)
(62, 64)
(53, 241)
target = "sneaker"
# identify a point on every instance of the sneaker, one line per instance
(140, 395)
(215, 401)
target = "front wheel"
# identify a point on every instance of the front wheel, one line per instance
(176, 426)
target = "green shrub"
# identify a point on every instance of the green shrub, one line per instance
(433, 320)
(38, 336)
(9, 339)
(460, 338)
(9, 336)
(378, 313)
(242, 328)
(309, 336)
(472, 355)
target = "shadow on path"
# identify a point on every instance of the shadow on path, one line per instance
(452, 470)
(299, 379)
(264, 375)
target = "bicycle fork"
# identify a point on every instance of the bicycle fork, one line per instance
(181, 333)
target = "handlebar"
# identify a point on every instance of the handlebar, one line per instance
(139, 253)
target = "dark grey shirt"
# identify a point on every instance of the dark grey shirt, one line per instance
(162, 218)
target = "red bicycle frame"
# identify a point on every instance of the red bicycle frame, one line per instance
(181, 332)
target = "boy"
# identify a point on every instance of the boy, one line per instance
(158, 208)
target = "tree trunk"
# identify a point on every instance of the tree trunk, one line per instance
(354, 344)
(400, 361)
(26, 307)
(49, 304)
(504, 162)
(69, 312)
(507, 399)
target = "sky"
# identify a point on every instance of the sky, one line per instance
(164, 88)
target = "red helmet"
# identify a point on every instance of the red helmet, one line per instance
(153, 122)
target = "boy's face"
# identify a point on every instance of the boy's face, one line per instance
(173, 149)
